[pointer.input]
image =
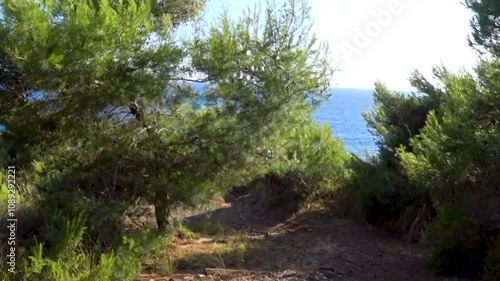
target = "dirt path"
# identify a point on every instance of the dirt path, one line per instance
(271, 244)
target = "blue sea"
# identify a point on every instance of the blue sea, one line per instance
(342, 111)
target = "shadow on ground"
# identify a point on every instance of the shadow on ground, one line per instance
(314, 244)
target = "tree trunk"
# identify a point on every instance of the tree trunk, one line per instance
(162, 210)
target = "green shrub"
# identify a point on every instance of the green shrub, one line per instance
(310, 163)
(136, 248)
(381, 196)
(456, 245)
(3, 192)
(207, 228)
(319, 160)
(67, 259)
(396, 117)
(378, 190)
(72, 255)
(182, 230)
(457, 158)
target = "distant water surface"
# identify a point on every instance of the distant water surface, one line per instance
(342, 111)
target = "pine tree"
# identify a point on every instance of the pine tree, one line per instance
(456, 157)
(111, 111)
(485, 25)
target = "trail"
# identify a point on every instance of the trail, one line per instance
(273, 244)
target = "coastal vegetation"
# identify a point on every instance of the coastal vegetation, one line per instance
(107, 107)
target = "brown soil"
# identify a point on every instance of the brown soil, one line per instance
(281, 245)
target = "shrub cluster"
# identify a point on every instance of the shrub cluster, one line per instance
(437, 173)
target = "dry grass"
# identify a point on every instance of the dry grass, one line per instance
(160, 260)
(203, 245)
(229, 250)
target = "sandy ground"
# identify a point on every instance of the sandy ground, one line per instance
(281, 245)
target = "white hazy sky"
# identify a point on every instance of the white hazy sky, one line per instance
(384, 39)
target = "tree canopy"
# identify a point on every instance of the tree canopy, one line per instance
(485, 25)
(109, 108)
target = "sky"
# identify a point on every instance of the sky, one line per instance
(384, 39)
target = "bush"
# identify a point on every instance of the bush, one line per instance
(380, 195)
(378, 191)
(68, 259)
(56, 242)
(456, 244)
(135, 248)
(310, 163)
(318, 161)
(74, 257)
(397, 117)
(457, 158)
